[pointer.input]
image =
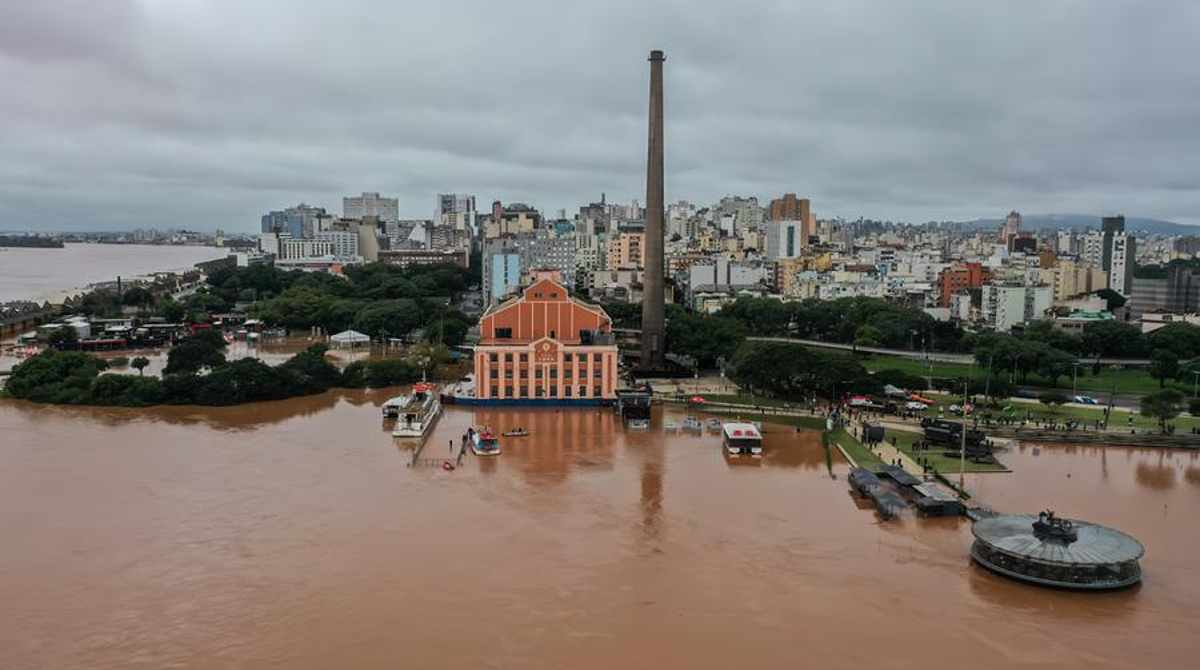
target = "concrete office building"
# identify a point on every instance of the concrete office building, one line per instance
(371, 204)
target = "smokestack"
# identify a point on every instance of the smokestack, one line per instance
(653, 330)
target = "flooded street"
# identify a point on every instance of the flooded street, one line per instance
(294, 534)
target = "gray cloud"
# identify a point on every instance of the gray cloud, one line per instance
(205, 114)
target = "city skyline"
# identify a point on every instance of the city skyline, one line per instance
(166, 115)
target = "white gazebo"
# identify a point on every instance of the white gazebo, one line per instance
(349, 339)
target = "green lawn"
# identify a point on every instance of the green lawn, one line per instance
(1128, 380)
(1089, 415)
(746, 399)
(938, 461)
(857, 451)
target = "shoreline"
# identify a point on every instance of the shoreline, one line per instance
(59, 295)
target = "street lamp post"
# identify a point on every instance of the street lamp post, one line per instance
(1075, 378)
(1196, 383)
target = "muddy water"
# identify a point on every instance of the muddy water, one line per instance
(295, 535)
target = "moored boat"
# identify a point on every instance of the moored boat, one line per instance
(485, 443)
(415, 413)
(742, 439)
(517, 432)
(693, 424)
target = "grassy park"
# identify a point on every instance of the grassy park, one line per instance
(937, 460)
(1128, 380)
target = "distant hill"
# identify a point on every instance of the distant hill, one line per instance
(1084, 221)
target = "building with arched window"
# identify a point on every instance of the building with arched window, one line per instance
(545, 347)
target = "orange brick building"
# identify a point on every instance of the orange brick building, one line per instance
(545, 347)
(958, 277)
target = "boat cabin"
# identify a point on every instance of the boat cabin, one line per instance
(742, 439)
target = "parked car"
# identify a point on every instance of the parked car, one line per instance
(1085, 400)
(914, 406)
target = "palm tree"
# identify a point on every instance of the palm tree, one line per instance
(140, 364)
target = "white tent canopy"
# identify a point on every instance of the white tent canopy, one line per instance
(349, 338)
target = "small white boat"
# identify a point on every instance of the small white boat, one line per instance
(519, 432)
(639, 424)
(415, 413)
(713, 425)
(693, 424)
(742, 439)
(485, 444)
(670, 426)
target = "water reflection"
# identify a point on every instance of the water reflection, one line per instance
(1160, 477)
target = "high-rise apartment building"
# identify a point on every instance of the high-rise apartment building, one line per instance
(1005, 306)
(1115, 251)
(627, 251)
(785, 238)
(1012, 227)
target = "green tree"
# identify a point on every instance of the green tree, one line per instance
(1164, 406)
(1053, 363)
(1113, 339)
(192, 354)
(138, 297)
(63, 338)
(704, 338)
(1181, 339)
(1164, 365)
(868, 336)
(171, 310)
(1052, 400)
(1113, 300)
(391, 318)
(1194, 406)
(312, 372)
(55, 376)
(140, 363)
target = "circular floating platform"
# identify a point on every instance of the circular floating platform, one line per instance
(1057, 552)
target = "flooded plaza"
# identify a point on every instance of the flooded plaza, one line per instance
(295, 534)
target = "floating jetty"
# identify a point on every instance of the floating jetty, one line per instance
(1052, 551)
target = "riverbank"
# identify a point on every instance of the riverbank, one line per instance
(53, 275)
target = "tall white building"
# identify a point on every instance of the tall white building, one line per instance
(1005, 306)
(371, 204)
(1121, 261)
(343, 242)
(785, 239)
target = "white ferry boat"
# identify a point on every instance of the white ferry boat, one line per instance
(485, 444)
(742, 439)
(414, 413)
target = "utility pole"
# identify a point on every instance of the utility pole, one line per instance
(1196, 383)
(1075, 379)
(962, 451)
(1111, 399)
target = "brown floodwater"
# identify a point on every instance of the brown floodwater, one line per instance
(295, 534)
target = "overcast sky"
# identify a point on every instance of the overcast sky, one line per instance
(118, 114)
